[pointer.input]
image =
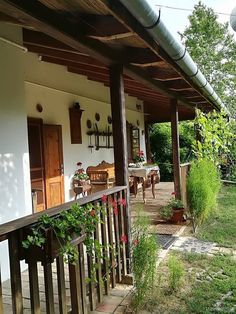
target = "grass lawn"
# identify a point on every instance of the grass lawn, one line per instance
(208, 286)
(220, 227)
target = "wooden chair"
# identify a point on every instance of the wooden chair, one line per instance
(101, 176)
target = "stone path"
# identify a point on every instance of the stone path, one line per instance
(193, 245)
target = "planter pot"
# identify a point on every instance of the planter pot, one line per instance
(80, 182)
(177, 215)
(49, 250)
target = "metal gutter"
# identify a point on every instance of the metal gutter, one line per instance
(152, 22)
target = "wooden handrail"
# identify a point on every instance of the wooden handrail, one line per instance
(22, 222)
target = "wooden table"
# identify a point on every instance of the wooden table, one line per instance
(143, 173)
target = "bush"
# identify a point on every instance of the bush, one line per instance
(144, 262)
(161, 147)
(203, 185)
(176, 272)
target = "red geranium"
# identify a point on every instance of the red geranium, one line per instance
(122, 201)
(123, 238)
(115, 211)
(92, 213)
(104, 198)
(135, 242)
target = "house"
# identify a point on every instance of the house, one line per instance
(114, 58)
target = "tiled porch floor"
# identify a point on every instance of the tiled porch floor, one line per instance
(152, 207)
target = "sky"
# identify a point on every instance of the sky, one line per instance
(177, 20)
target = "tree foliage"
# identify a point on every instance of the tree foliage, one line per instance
(216, 136)
(160, 137)
(213, 48)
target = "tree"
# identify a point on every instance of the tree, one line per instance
(213, 48)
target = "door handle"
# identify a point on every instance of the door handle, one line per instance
(61, 169)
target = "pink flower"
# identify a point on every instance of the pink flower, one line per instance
(173, 193)
(135, 242)
(115, 211)
(122, 201)
(114, 204)
(104, 198)
(92, 213)
(79, 164)
(124, 239)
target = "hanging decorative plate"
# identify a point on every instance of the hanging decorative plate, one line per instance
(109, 119)
(89, 124)
(97, 116)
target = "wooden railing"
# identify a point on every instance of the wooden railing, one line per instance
(75, 293)
(184, 168)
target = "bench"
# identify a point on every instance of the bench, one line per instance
(101, 176)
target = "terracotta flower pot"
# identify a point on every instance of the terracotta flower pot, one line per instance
(177, 215)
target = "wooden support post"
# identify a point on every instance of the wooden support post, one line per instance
(119, 124)
(147, 142)
(119, 136)
(175, 147)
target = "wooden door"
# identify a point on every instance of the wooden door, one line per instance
(54, 168)
(36, 163)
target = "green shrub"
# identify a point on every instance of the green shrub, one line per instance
(176, 272)
(144, 262)
(203, 185)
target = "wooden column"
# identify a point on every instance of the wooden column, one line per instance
(147, 142)
(120, 140)
(119, 124)
(175, 147)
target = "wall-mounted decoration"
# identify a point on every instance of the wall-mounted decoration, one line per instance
(39, 108)
(138, 123)
(77, 105)
(75, 125)
(138, 107)
(89, 124)
(97, 116)
(109, 119)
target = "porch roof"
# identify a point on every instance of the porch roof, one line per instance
(87, 36)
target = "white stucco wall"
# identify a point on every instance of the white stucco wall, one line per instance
(15, 192)
(56, 90)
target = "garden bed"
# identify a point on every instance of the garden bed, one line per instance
(208, 285)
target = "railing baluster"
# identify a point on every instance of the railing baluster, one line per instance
(127, 229)
(123, 234)
(15, 272)
(1, 301)
(34, 287)
(82, 277)
(117, 237)
(47, 268)
(106, 269)
(75, 288)
(92, 292)
(111, 245)
(98, 268)
(61, 285)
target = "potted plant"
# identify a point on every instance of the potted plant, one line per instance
(139, 159)
(174, 210)
(80, 177)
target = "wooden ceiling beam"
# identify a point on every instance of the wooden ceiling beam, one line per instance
(163, 74)
(64, 55)
(178, 85)
(104, 27)
(42, 40)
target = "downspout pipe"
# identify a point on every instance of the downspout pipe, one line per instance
(152, 22)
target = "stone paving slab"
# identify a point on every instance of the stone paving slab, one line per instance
(193, 245)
